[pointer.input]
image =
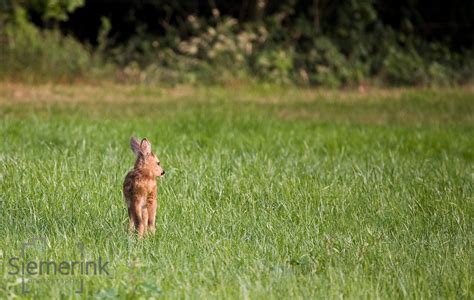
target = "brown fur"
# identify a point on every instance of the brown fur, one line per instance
(139, 188)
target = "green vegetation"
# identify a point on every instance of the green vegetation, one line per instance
(307, 43)
(269, 192)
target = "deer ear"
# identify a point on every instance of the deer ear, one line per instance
(145, 146)
(135, 145)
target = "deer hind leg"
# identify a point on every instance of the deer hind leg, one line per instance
(151, 216)
(140, 216)
(132, 220)
(145, 219)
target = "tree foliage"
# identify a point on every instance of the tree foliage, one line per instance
(305, 41)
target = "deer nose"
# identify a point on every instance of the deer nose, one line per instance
(162, 172)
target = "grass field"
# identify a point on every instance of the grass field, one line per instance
(269, 192)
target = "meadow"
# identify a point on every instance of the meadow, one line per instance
(270, 192)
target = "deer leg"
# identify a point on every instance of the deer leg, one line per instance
(145, 219)
(151, 216)
(139, 218)
(131, 220)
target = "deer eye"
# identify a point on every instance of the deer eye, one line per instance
(158, 163)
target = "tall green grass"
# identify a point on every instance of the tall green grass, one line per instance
(268, 193)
